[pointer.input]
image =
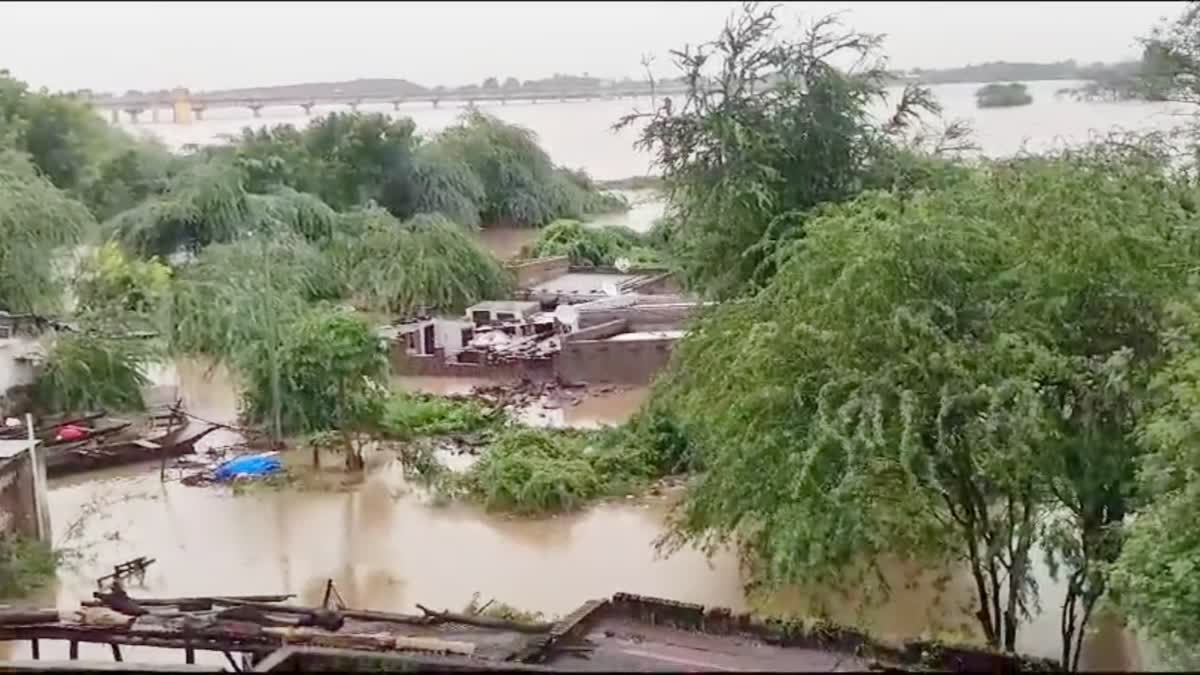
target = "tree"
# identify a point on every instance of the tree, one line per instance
(234, 303)
(768, 129)
(422, 264)
(1154, 581)
(208, 204)
(38, 222)
(931, 375)
(1171, 58)
(84, 372)
(108, 281)
(512, 83)
(334, 369)
(490, 83)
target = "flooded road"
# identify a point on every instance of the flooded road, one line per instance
(387, 547)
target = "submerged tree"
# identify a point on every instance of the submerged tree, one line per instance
(769, 128)
(234, 302)
(930, 376)
(333, 369)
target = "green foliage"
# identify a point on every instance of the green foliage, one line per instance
(25, 566)
(740, 159)
(236, 295)
(1002, 95)
(109, 280)
(89, 372)
(37, 223)
(592, 246)
(424, 263)
(407, 416)
(1155, 581)
(928, 375)
(76, 150)
(330, 369)
(526, 470)
(520, 184)
(208, 204)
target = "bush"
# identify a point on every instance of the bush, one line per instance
(592, 246)
(407, 416)
(25, 566)
(86, 372)
(531, 471)
(547, 470)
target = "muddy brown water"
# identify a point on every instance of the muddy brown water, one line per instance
(387, 547)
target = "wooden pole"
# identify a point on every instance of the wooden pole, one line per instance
(36, 648)
(74, 651)
(189, 655)
(116, 650)
(232, 664)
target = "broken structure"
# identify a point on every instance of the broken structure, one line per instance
(574, 325)
(624, 633)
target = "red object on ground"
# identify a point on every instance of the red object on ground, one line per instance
(72, 433)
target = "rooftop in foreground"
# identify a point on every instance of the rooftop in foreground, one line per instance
(625, 633)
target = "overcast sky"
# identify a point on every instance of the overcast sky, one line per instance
(146, 45)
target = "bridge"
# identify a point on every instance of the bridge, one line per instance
(186, 107)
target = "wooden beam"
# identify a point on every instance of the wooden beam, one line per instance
(116, 650)
(74, 650)
(36, 648)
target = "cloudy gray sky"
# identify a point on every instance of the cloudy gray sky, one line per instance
(113, 46)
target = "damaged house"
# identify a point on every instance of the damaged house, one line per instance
(574, 325)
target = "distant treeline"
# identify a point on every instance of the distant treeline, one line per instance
(1010, 71)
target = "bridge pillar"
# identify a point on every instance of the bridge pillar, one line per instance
(154, 114)
(396, 105)
(114, 116)
(435, 103)
(255, 108)
(197, 111)
(134, 113)
(354, 106)
(307, 108)
(182, 106)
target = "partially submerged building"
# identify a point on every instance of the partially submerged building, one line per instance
(577, 325)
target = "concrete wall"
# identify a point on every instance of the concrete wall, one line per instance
(641, 317)
(16, 374)
(599, 331)
(533, 272)
(404, 363)
(18, 508)
(620, 362)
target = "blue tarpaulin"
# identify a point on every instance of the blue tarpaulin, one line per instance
(249, 465)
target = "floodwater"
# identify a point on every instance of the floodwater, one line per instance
(579, 134)
(387, 546)
(645, 207)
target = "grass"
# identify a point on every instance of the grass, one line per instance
(26, 565)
